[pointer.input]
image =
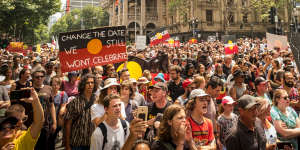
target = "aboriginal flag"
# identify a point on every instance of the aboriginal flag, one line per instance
(158, 36)
(87, 48)
(231, 48)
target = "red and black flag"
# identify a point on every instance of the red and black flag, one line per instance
(230, 46)
(87, 48)
(158, 36)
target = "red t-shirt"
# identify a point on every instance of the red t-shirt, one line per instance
(203, 134)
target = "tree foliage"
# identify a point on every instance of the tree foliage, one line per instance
(21, 18)
(87, 18)
(183, 7)
(263, 6)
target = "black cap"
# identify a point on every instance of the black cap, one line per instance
(247, 101)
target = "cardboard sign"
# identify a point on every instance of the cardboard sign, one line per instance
(87, 48)
(276, 41)
(141, 42)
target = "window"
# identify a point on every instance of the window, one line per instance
(244, 3)
(230, 2)
(209, 16)
(245, 18)
(231, 17)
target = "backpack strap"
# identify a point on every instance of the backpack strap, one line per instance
(124, 125)
(104, 133)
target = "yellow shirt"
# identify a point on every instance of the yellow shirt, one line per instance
(25, 141)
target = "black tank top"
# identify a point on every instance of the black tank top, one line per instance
(20, 86)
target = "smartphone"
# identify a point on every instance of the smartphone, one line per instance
(142, 112)
(282, 145)
(19, 94)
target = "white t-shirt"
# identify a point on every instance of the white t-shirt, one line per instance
(115, 137)
(97, 110)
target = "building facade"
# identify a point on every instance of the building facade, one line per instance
(73, 4)
(200, 18)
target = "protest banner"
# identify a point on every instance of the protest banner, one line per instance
(87, 48)
(136, 65)
(140, 42)
(158, 36)
(276, 41)
(18, 47)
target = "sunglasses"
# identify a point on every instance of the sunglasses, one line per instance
(39, 77)
(285, 98)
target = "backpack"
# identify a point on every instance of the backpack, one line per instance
(104, 131)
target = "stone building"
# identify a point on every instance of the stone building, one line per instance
(202, 18)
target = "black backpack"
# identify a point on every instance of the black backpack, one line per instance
(104, 131)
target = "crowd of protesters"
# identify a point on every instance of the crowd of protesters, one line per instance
(204, 99)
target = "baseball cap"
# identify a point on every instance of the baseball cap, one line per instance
(259, 80)
(198, 93)
(160, 85)
(227, 100)
(247, 101)
(186, 83)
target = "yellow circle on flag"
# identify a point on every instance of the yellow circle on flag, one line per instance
(135, 70)
(158, 35)
(94, 46)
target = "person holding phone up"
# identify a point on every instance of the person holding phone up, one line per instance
(12, 137)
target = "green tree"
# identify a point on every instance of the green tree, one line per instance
(182, 7)
(20, 18)
(87, 18)
(262, 7)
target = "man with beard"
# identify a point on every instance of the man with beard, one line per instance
(248, 134)
(175, 84)
(261, 86)
(188, 85)
(288, 86)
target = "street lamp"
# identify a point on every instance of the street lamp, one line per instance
(194, 25)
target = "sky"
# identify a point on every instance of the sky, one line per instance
(56, 16)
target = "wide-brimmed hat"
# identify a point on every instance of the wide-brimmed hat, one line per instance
(160, 85)
(160, 76)
(142, 80)
(110, 82)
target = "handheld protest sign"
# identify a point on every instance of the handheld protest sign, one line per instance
(88, 48)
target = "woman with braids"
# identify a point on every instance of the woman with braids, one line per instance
(174, 131)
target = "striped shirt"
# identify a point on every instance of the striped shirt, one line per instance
(82, 127)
